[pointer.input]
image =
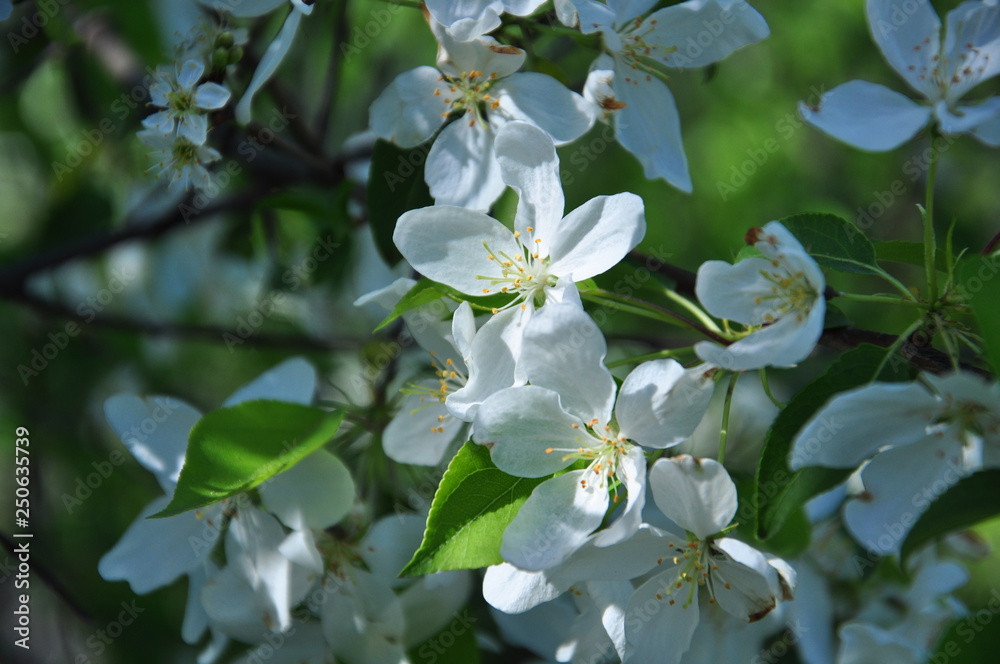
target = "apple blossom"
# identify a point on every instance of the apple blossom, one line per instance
(782, 292)
(873, 117)
(478, 83)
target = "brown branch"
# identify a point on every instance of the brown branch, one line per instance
(14, 278)
(179, 331)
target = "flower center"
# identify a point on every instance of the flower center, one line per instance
(641, 55)
(695, 559)
(468, 93)
(791, 293)
(181, 101)
(450, 379)
(961, 69)
(602, 448)
(525, 273)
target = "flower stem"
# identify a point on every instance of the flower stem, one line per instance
(649, 310)
(767, 389)
(693, 308)
(888, 299)
(724, 433)
(660, 354)
(928, 213)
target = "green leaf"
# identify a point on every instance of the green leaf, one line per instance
(834, 242)
(423, 292)
(748, 251)
(780, 491)
(834, 317)
(233, 450)
(789, 542)
(395, 185)
(981, 287)
(965, 504)
(910, 253)
(473, 505)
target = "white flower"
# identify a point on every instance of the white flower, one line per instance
(699, 496)
(477, 255)
(467, 20)
(265, 563)
(180, 159)
(782, 292)
(565, 415)
(873, 117)
(922, 437)
(475, 81)
(184, 104)
(627, 83)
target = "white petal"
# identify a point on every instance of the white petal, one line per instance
(546, 103)
(564, 352)
(632, 474)
(596, 16)
(521, 423)
(435, 602)
(736, 291)
(967, 118)
(783, 344)
(462, 168)
(363, 619)
(611, 599)
(661, 404)
(195, 618)
(513, 590)
(554, 522)
(418, 435)
(463, 329)
(155, 430)
(161, 122)
(154, 552)
(655, 629)
(700, 33)
(812, 613)
(696, 494)
(650, 128)
(293, 380)
(624, 560)
(900, 484)
(492, 362)
(910, 39)
(529, 166)
(863, 644)
(972, 46)
(211, 96)
(446, 244)
(315, 493)
(595, 236)
(867, 116)
(856, 423)
(233, 607)
(744, 581)
(190, 73)
(408, 111)
(389, 544)
(300, 548)
(273, 56)
(194, 127)
(483, 54)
